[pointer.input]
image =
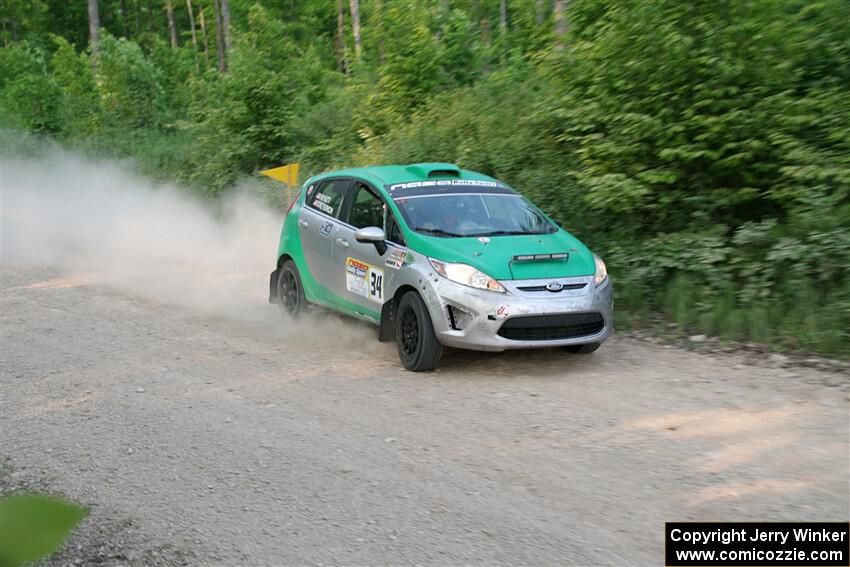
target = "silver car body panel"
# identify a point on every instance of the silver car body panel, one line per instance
(484, 312)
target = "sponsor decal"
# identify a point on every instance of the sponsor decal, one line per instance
(446, 183)
(395, 259)
(364, 280)
(399, 259)
(322, 202)
(326, 228)
(501, 312)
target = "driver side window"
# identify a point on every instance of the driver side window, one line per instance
(367, 208)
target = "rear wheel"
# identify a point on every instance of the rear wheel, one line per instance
(417, 343)
(583, 349)
(290, 292)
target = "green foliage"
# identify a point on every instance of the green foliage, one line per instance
(247, 119)
(723, 124)
(129, 84)
(33, 526)
(72, 72)
(700, 146)
(30, 99)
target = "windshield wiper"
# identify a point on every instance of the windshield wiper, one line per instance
(437, 232)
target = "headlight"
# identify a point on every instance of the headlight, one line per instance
(601, 270)
(466, 275)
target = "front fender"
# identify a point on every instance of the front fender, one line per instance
(414, 274)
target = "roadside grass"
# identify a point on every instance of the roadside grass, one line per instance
(800, 319)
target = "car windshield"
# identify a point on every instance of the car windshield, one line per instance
(460, 215)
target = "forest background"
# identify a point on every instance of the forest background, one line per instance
(702, 147)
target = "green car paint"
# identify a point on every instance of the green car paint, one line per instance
(493, 257)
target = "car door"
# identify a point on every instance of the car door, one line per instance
(360, 266)
(318, 224)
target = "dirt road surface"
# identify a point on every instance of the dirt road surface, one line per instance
(205, 439)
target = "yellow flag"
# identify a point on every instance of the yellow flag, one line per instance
(287, 174)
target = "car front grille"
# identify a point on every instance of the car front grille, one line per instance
(552, 327)
(565, 287)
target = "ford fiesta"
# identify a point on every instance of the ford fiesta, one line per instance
(440, 256)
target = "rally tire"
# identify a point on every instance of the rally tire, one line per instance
(583, 349)
(418, 347)
(290, 291)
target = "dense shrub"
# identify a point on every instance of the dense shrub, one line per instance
(702, 146)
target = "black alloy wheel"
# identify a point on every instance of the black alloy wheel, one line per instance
(417, 343)
(289, 290)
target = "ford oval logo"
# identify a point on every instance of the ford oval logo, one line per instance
(554, 286)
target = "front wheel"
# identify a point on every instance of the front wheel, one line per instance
(290, 293)
(417, 343)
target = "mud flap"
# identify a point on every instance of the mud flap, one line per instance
(273, 287)
(386, 331)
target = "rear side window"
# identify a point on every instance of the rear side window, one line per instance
(329, 197)
(367, 209)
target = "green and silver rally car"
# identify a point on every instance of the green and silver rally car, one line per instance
(440, 256)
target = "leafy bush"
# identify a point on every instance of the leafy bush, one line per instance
(129, 85)
(701, 146)
(29, 97)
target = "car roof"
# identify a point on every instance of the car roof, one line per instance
(381, 175)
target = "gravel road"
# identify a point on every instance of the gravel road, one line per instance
(198, 438)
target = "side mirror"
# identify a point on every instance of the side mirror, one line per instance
(373, 235)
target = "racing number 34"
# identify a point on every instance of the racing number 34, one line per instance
(376, 284)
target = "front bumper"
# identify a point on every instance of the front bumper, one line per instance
(469, 318)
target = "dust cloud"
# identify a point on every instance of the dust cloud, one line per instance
(101, 223)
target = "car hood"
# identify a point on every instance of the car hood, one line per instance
(496, 256)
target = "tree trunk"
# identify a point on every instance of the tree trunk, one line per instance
(487, 40)
(503, 18)
(172, 28)
(194, 35)
(560, 17)
(219, 37)
(379, 26)
(354, 6)
(204, 38)
(151, 27)
(94, 28)
(5, 34)
(342, 60)
(124, 27)
(138, 11)
(225, 23)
